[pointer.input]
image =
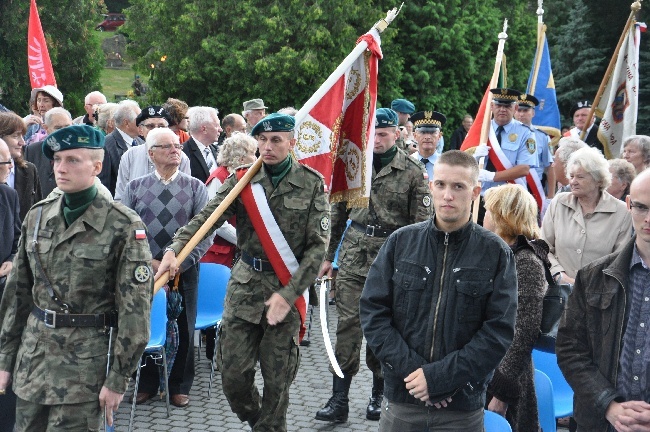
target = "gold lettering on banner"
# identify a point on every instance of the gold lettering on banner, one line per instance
(310, 136)
(354, 84)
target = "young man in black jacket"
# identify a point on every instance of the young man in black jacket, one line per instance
(438, 309)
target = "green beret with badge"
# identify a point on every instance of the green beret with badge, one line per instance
(385, 117)
(275, 122)
(72, 137)
(403, 106)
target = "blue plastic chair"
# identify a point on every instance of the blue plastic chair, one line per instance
(493, 422)
(213, 280)
(562, 391)
(155, 348)
(544, 392)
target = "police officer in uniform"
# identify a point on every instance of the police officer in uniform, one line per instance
(525, 113)
(399, 196)
(83, 267)
(404, 108)
(260, 320)
(427, 129)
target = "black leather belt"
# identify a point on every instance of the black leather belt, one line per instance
(54, 319)
(258, 264)
(371, 230)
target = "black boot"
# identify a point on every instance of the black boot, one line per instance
(373, 411)
(336, 409)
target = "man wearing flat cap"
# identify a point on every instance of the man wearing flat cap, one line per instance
(82, 275)
(404, 108)
(254, 110)
(516, 140)
(427, 129)
(260, 321)
(399, 196)
(580, 113)
(525, 113)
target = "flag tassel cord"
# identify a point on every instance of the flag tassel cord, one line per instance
(486, 118)
(635, 8)
(379, 26)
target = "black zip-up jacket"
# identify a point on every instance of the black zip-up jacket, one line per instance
(445, 302)
(590, 336)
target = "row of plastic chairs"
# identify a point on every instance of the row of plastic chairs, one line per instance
(554, 396)
(213, 279)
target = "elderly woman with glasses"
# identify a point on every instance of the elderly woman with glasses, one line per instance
(587, 223)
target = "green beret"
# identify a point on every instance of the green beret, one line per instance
(385, 117)
(275, 122)
(72, 137)
(403, 106)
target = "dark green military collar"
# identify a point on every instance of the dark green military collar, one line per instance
(75, 204)
(278, 171)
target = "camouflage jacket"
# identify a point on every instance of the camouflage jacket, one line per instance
(302, 212)
(399, 196)
(95, 265)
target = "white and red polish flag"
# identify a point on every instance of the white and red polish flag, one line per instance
(335, 128)
(38, 58)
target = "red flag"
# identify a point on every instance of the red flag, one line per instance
(335, 136)
(38, 58)
(473, 137)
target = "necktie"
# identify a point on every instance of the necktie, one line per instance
(206, 151)
(499, 130)
(424, 161)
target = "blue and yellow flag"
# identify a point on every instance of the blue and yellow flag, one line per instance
(542, 86)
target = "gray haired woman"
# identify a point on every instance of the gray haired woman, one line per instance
(587, 223)
(623, 173)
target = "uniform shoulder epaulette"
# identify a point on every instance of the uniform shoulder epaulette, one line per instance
(241, 167)
(51, 197)
(314, 171)
(415, 163)
(131, 214)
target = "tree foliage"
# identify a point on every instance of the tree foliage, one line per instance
(76, 57)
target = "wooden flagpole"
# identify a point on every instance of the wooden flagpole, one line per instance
(636, 7)
(379, 26)
(485, 127)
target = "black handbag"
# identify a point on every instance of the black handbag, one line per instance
(554, 304)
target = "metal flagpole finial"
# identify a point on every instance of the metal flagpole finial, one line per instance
(636, 6)
(503, 34)
(540, 9)
(390, 16)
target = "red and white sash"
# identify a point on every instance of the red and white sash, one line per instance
(501, 162)
(275, 246)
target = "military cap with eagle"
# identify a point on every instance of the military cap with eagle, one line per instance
(505, 96)
(428, 120)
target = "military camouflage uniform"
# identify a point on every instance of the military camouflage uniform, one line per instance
(399, 196)
(301, 210)
(95, 265)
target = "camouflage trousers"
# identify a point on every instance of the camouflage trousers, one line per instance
(348, 330)
(33, 417)
(241, 344)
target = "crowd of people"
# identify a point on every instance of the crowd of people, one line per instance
(97, 207)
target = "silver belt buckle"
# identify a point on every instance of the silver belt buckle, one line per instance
(257, 264)
(370, 230)
(53, 315)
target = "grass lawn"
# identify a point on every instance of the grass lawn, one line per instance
(115, 81)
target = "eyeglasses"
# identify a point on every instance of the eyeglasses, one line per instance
(639, 209)
(152, 126)
(5, 163)
(167, 146)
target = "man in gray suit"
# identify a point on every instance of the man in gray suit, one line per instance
(119, 141)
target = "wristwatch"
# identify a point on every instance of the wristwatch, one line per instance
(169, 249)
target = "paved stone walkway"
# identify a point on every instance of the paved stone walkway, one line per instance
(309, 392)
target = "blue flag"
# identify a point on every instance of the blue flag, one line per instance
(542, 86)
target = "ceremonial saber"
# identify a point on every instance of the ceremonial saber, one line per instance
(108, 428)
(485, 129)
(324, 323)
